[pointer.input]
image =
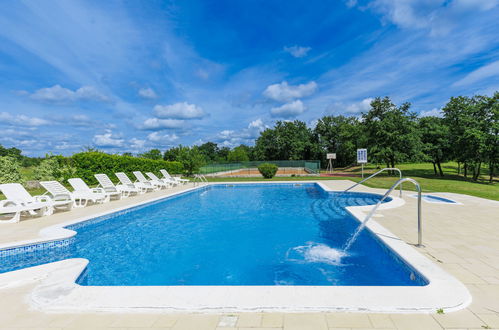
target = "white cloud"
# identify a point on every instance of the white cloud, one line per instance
(284, 93)
(255, 128)
(431, 113)
(297, 51)
(147, 93)
(162, 138)
(181, 110)
(137, 144)
(291, 109)
(59, 94)
(361, 106)
(22, 120)
(108, 140)
(159, 124)
(232, 138)
(486, 71)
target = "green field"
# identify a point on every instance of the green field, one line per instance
(421, 172)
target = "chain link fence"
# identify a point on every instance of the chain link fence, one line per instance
(286, 168)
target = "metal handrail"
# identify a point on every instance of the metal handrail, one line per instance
(388, 192)
(373, 175)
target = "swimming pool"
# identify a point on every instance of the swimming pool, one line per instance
(247, 234)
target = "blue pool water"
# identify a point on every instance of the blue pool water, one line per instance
(248, 234)
(436, 199)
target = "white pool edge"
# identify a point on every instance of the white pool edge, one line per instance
(57, 290)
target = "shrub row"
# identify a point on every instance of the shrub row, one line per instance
(87, 164)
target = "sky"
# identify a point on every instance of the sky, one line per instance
(129, 76)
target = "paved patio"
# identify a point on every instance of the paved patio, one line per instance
(462, 239)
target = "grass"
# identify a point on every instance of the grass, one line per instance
(421, 172)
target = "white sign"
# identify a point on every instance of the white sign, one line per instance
(331, 156)
(362, 156)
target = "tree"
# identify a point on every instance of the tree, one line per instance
(435, 141)
(152, 154)
(492, 140)
(238, 154)
(56, 168)
(341, 135)
(286, 141)
(391, 131)
(223, 154)
(9, 170)
(471, 123)
(209, 150)
(191, 158)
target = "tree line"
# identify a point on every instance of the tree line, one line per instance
(467, 133)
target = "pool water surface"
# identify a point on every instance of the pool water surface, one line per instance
(242, 234)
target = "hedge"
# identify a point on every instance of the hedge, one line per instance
(89, 163)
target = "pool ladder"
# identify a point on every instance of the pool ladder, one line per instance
(388, 192)
(199, 179)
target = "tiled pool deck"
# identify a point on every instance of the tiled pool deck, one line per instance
(462, 239)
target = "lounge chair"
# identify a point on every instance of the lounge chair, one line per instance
(157, 184)
(109, 186)
(153, 177)
(20, 202)
(100, 195)
(167, 175)
(142, 186)
(61, 197)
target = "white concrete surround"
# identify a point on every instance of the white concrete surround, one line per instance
(57, 291)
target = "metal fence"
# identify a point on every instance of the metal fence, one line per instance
(285, 167)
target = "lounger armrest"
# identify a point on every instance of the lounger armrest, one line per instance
(43, 198)
(9, 202)
(98, 190)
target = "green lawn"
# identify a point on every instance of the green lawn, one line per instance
(423, 173)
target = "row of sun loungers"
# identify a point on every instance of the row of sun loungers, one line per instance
(19, 201)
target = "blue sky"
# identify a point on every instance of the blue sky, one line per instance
(135, 75)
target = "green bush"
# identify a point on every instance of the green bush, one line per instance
(267, 170)
(57, 168)
(9, 170)
(89, 163)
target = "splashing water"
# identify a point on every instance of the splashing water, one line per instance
(315, 253)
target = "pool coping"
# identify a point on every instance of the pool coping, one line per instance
(57, 290)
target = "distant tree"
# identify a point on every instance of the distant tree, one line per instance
(209, 150)
(57, 168)
(129, 154)
(391, 132)
(191, 158)
(341, 135)
(152, 154)
(172, 153)
(238, 154)
(472, 123)
(223, 154)
(492, 140)
(435, 141)
(286, 141)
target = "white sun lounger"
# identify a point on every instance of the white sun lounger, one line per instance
(142, 186)
(61, 197)
(153, 177)
(19, 202)
(157, 184)
(167, 175)
(97, 195)
(109, 186)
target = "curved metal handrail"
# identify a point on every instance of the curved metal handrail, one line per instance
(388, 192)
(373, 175)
